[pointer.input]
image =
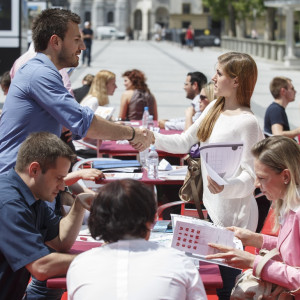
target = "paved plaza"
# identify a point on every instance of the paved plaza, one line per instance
(166, 65)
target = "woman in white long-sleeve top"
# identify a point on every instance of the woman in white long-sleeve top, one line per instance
(227, 119)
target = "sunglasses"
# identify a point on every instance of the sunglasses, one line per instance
(203, 97)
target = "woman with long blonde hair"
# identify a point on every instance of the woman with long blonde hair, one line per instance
(103, 85)
(277, 168)
(226, 120)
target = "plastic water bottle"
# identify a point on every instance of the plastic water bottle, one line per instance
(152, 163)
(150, 123)
(144, 157)
(145, 117)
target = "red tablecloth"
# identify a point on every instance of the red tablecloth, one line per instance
(210, 273)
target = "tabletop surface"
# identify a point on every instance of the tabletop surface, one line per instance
(210, 273)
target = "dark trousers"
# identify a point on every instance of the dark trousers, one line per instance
(228, 276)
(87, 54)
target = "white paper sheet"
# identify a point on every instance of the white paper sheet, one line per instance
(221, 160)
(192, 236)
(119, 175)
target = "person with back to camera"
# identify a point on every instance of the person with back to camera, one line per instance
(227, 119)
(276, 121)
(136, 97)
(82, 91)
(103, 85)
(277, 168)
(122, 214)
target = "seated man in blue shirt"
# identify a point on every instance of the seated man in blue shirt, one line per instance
(38, 101)
(276, 120)
(29, 228)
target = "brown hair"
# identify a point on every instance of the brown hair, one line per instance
(49, 22)
(137, 79)
(277, 84)
(44, 148)
(234, 64)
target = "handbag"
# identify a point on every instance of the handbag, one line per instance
(250, 287)
(192, 188)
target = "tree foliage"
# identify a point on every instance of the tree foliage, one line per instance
(234, 10)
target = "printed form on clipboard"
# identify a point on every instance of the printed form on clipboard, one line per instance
(192, 236)
(221, 160)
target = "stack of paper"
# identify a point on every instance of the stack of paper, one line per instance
(177, 173)
(105, 111)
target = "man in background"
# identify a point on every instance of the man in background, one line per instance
(276, 120)
(87, 35)
(193, 84)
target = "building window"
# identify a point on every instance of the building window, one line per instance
(205, 9)
(110, 17)
(186, 8)
(185, 24)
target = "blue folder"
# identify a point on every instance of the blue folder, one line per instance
(102, 165)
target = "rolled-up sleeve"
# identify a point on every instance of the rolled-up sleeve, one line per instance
(50, 94)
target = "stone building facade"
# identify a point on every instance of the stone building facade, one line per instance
(142, 15)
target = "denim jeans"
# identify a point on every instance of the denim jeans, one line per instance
(37, 290)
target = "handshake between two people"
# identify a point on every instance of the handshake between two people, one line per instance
(143, 139)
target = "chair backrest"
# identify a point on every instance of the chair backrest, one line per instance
(88, 163)
(186, 211)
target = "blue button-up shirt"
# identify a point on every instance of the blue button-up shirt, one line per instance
(26, 224)
(38, 101)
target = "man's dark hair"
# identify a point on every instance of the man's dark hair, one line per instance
(122, 208)
(5, 80)
(44, 148)
(49, 22)
(198, 77)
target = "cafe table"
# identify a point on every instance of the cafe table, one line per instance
(178, 180)
(209, 273)
(123, 148)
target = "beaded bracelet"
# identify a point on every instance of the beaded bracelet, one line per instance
(133, 134)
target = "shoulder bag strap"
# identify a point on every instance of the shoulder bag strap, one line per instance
(264, 260)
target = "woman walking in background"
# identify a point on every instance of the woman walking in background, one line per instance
(136, 97)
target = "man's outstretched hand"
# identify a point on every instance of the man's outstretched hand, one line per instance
(143, 139)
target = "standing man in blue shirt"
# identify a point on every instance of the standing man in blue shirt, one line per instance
(38, 101)
(29, 228)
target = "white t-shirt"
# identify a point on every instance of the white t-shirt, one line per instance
(235, 205)
(179, 123)
(136, 270)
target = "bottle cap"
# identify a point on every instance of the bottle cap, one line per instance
(150, 117)
(152, 147)
(146, 108)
